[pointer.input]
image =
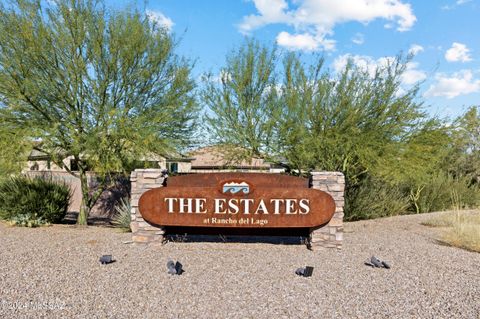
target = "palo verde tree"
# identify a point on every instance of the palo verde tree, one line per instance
(14, 149)
(362, 123)
(102, 87)
(464, 157)
(242, 102)
(352, 122)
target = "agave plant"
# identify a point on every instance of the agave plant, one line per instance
(122, 218)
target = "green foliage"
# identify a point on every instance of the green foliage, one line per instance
(14, 149)
(23, 199)
(243, 100)
(374, 199)
(464, 156)
(417, 157)
(442, 191)
(122, 217)
(361, 122)
(352, 122)
(104, 87)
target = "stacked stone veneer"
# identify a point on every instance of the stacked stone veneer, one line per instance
(143, 180)
(330, 235)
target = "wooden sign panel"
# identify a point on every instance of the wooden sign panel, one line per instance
(260, 180)
(237, 200)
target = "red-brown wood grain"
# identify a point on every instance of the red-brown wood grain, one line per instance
(269, 202)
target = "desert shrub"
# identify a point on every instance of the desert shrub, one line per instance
(374, 198)
(443, 191)
(23, 198)
(122, 217)
(28, 220)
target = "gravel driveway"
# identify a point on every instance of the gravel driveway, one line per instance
(54, 272)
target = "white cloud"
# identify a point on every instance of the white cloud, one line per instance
(304, 42)
(456, 4)
(415, 49)
(160, 19)
(314, 20)
(358, 38)
(271, 11)
(460, 83)
(458, 53)
(388, 25)
(410, 76)
(365, 63)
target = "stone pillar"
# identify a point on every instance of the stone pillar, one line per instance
(330, 235)
(143, 180)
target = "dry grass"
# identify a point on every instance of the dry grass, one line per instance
(461, 229)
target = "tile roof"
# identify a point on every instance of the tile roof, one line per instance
(214, 156)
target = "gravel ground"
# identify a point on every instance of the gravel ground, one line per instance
(54, 272)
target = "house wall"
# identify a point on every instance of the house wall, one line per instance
(41, 165)
(105, 206)
(184, 167)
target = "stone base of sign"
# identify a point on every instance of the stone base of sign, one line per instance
(143, 180)
(329, 236)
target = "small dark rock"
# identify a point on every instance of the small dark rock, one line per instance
(171, 267)
(300, 271)
(174, 268)
(106, 259)
(304, 272)
(179, 268)
(376, 262)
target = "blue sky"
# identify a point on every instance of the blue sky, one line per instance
(444, 34)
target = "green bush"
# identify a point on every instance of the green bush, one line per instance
(122, 217)
(41, 199)
(373, 198)
(443, 191)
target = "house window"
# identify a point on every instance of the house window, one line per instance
(73, 165)
(172, 167)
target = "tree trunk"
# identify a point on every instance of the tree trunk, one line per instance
(84, 206)
(83, 215)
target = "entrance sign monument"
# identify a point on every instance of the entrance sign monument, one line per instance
(238, 200)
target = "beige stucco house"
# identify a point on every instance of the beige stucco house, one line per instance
(203, 160)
